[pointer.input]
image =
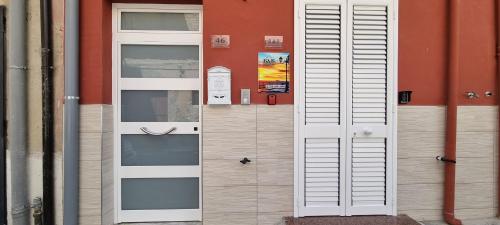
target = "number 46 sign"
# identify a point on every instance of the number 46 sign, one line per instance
(221, 41)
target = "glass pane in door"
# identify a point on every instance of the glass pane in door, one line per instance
(160, 61)
(160, 193)
(160, 21)
(167, 150)
(160, 106)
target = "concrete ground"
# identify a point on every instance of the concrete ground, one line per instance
(491, 221)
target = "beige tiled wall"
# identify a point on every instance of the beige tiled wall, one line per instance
(260, 192)
(477, 162)
(421, 137)
(107, 154)
(96, 165)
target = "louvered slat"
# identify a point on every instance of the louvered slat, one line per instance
(368, 172)
(322, 172)
(369, 65)
(322, 72)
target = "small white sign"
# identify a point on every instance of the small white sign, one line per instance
(221, 41)
(273, 41)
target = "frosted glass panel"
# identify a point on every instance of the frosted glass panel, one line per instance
(160, 61)
(160, 106)
(160, 21)
(168, 150)
(160, 193)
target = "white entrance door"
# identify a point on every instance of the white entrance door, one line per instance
(157, 93)
(346, 107)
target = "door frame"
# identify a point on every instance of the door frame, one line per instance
(157, 37)
(298, 56)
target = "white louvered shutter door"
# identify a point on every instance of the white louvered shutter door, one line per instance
(346, 108)
(322, 115)
(370, 105)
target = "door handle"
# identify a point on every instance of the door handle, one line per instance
(367, 131)
(147, 131)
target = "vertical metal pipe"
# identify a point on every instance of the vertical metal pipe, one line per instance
(497, 27)
(451, 113)
(17, 127)
(71, 112)
(47, 117)
(3, 161)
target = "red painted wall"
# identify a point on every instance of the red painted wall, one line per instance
(478, 61)
(247, 22)
(422, 46)
(197, 2)
(423, 50)
(93, 72)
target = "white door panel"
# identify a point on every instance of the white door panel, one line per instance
(346, 107)
(370, 94)
(322, 117)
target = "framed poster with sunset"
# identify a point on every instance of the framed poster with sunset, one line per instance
(273, 72)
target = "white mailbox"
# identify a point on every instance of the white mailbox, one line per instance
(219, 86)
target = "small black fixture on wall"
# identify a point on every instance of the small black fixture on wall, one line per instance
(404, 97)
(245, 161)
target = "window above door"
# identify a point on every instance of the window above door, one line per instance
(159, 18)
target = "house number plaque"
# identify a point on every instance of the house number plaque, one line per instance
(273, 41)
(221, 41)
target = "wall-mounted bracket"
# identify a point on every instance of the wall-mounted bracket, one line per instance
(441, 158)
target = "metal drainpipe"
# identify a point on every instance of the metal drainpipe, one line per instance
(451, 114)
(71, 113)
(47, 117)
(497, 23)
(17, 127)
